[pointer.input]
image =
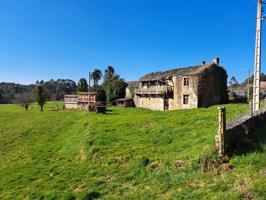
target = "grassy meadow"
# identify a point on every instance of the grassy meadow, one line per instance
(124, 154)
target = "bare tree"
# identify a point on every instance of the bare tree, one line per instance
(24, 99)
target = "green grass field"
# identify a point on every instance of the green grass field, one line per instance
(125, 154)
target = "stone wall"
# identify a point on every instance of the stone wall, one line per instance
(128, 93)
(212, 87)
(238, 133)
(191, 90)
(152, 102)
(174, 102)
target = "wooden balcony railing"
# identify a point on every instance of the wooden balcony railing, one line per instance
(157, 90)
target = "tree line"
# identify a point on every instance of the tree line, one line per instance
(112, 87)
(234, 83)
(54, 90)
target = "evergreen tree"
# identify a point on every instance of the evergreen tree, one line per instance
(113, 85)
(96, 75)
(40, 96)
(83, 85)
(233, 82)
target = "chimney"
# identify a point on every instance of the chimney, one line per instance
(216, 61)
(203, 62)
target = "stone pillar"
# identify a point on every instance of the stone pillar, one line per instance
(220, 137)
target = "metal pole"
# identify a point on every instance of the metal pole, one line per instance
(257, 65)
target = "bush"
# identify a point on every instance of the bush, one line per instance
(144, 161)
(91, 195)
(69, 196)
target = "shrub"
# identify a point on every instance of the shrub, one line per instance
(91, 195)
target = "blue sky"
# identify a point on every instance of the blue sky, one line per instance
(44, 39)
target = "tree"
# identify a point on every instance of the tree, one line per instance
(54, 89)
(57, 89)
(117, 89)
(9, 90)
(40, 96)
(82, 85)
(108, 77)
(24, 99)
(233, 82)
(113, 85)
(109, 73)
(250, 95)
(1, 96)
(251, 79)
(96, 75)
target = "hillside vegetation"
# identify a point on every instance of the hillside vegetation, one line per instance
(125, 154)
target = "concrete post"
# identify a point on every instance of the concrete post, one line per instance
(251, 109)
(220, 137)
(257, 65)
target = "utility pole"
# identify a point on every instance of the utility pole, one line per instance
(257, 65)
(89, 91)
(248, 96)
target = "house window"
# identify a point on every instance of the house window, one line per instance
(186, 83)
(185, 99)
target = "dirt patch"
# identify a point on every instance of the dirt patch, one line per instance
(82, 154)
(179, 163)
(264, 173)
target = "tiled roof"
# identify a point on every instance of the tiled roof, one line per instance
(178, 71)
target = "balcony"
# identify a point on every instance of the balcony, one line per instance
(155, 90)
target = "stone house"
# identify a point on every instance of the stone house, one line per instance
(183, 88)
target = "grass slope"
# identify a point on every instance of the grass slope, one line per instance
(125, 154)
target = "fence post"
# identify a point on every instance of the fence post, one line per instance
(220, 137)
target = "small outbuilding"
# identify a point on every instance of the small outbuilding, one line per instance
(80, 101)
(125, 102)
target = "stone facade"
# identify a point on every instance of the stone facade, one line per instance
(185, 88)
(154, 103)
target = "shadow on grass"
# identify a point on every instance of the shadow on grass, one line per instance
(107, 112)
(259, 138)
(248, 144)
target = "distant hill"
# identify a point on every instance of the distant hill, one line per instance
(9, 90)
(55, 89)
